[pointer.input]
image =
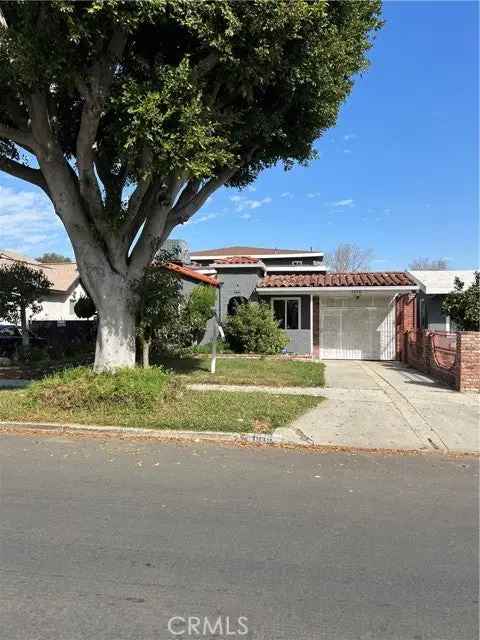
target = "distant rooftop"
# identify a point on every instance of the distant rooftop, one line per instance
(252, 251)
(441, 282)
(62, 275)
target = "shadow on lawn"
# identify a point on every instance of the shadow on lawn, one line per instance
(184, 364)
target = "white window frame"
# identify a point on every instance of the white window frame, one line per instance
(285, 299)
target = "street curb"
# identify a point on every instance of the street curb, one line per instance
(160, 434)
(220, 437)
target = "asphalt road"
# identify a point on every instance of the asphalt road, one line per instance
(112, 540)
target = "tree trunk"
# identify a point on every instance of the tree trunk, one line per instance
(116, 330)
(145, 353)
(25, 334)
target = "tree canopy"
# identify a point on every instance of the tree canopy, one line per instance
(129, 115)
(428, 264)
(52, 257)
(22, 288)
(349, 257)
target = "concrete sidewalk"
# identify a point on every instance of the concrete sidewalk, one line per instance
(386, 405)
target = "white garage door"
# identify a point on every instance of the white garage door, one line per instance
(357, 329)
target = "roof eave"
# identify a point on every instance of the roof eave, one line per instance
(316, 290)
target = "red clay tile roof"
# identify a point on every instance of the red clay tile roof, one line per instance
(185, 272)
(246, 251)
(238, 260)
(365, 279)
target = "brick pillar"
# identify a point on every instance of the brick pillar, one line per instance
(405, 320)
(428, 350)
(468, 361)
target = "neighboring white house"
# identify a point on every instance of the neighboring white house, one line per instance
(433, 287)
(59, 301)
(66, 289)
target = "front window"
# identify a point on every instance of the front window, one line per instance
(286, 312)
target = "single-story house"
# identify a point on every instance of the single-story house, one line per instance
(326, 315)
(433, 287)
(65, 291)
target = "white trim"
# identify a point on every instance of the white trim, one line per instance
(216, 256)
(327, 290)
(305, 267)
(286, 298)
(206, 272)
(447, 324)
(240, 265)
(311, 324)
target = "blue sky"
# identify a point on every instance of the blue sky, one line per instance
(398, 173)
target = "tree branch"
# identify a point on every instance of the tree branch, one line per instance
(23, 138)
(154, 211)
(22, 171)
(191, 203)
(95, 93)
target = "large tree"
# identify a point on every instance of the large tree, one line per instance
(129, 115)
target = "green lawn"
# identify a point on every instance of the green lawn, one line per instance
(273, 372)
(190, 410)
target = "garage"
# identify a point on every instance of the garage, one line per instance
(352, 315)
(357, 327)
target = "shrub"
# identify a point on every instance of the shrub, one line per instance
(198, 311)
(37, 355)
(463, 305)
(81, 388)
(84, 307)
(254, 330)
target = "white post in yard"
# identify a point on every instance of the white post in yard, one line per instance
(213, 362)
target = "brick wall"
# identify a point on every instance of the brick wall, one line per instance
(463, 374)
(468, 361)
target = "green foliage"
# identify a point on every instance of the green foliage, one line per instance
(84, 307)
(203, 85)
(191, 410)
(37, 356)
(273, 371)
(21, 288)
(52, 257)
(159, 294)
(198, 310)
(253, 329)
(81, 388)
(463, 305)
(156, 104)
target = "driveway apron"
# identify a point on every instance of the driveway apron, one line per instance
(385, 405)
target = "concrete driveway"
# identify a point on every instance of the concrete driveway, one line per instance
(387, 405)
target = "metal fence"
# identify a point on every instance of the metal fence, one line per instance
(444, 349)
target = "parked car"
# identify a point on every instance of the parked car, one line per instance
(11, 339)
